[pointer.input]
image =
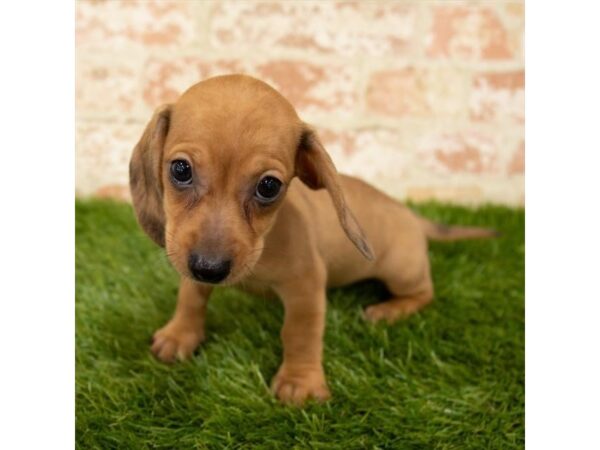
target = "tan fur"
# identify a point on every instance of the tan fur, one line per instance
(233, 130)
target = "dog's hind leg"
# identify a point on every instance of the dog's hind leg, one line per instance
(409, 282)
(398, 307)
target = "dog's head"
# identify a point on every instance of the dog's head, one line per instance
(211, 170)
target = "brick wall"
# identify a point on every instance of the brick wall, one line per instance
(424, 99)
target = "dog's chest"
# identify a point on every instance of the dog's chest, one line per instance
(256, 287)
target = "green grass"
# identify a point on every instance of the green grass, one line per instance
(450, 377)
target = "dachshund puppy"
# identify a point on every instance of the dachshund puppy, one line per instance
(238, 190)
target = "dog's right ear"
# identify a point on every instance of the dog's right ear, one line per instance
(315, 168)
(145, 179)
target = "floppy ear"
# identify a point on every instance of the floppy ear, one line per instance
(144, 175)
(316, 169)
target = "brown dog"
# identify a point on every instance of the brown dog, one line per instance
(213, 181)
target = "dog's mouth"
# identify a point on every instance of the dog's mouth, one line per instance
(232, 279)
(244, 268)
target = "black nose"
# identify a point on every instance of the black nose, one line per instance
(209, 270)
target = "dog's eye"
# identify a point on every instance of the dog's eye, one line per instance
(268, 189)
(181, 172)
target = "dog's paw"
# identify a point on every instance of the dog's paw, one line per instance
(296, 387)
(394, 310)
(384, 313)
(176, 341)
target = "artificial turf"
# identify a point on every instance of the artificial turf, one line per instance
(451, 376)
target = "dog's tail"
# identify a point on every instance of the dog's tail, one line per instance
(441, 232)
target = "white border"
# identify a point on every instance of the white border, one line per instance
(37, 225)
(563, 225)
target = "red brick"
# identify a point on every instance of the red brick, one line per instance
(498, 96)
(106, 89)
(341, 143)
(102, 154)
(344, 28)
(116, 24)
(459, 152)
(165, 79)
(515, 14)
(516, 10)
(468, 32)
(311, 88)
(373, 154)
(516, 165)
(417, 92)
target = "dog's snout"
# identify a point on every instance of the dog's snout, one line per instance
(210, 270)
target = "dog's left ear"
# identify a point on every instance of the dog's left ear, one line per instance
(316, 169)
(144, 175)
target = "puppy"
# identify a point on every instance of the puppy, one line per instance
(239, 191)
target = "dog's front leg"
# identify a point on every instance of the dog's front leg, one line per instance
(301, 374)
(185, 331)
